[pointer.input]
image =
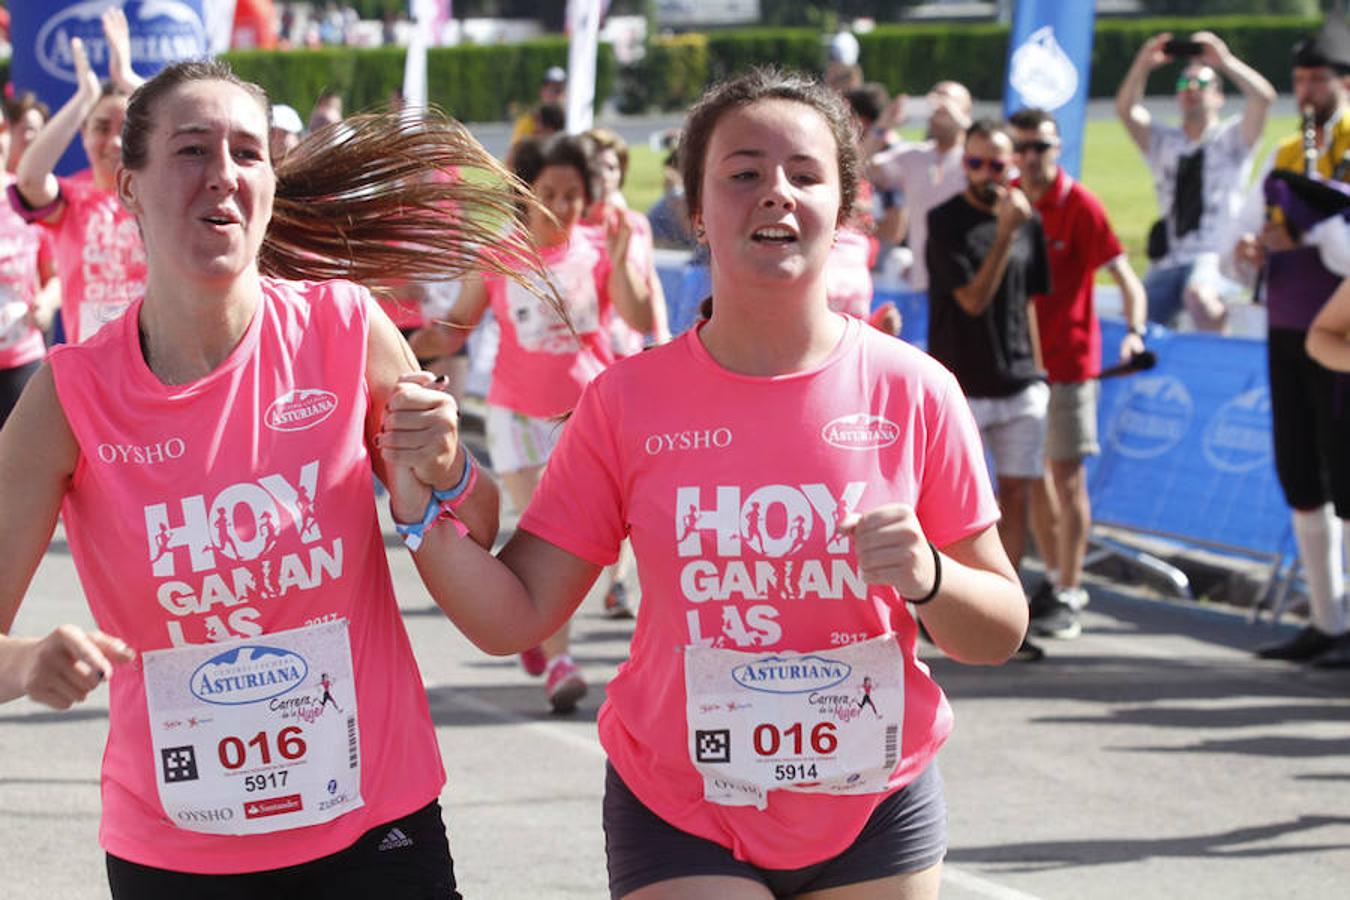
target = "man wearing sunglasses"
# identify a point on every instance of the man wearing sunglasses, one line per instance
(1199, 168)
(986, 257)
(1079, 240)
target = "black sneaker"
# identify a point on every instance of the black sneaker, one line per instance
(1338, 657)
(1308, 643)
(1055, 619)
(1028, 652)
(1041, 599)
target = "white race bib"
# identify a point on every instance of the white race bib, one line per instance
(823, 722)
(256, 735)
(94, 315)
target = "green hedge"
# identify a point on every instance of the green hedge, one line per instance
(473, 83)
(911, 57)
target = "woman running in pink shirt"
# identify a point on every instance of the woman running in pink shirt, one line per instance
(210, 454)
(800, 490)
(98, 250)
(545, 360)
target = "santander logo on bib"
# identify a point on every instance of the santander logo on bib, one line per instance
(300, 409)
(860, 431)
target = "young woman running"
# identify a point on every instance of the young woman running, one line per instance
(210, 454)
(99, 256)
(29, 292)
(789, 478)
(545, 360)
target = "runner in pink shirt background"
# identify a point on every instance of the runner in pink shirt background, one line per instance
(789, 478)
(545, 360)
(210, 454)
(29, 293)
(99, 256)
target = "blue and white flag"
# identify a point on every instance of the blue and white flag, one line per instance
(1049, 61)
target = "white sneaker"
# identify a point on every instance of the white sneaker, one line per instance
(1074, 597)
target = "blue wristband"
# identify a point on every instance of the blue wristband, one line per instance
(456, 494)
(413, 534)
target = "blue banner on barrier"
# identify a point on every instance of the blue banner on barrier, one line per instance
(162, 31)
(1186, 447)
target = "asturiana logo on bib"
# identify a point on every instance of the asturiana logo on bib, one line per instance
(300, 409)
(798, 675)
(248, 674)
(860, 431)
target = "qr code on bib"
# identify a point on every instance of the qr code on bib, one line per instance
(712, 746)
(180, 764)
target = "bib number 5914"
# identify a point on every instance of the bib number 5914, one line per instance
(234, 752)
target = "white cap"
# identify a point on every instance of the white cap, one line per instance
(287, 119)
(555, 74)
(843, 48)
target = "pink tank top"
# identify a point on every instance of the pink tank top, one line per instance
(99, 256)
(234, 506)
(20, 342)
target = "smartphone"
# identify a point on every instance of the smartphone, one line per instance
(1178, 49)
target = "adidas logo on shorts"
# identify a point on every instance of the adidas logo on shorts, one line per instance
(394, 840)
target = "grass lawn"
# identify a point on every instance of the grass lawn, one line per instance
(1112, 167)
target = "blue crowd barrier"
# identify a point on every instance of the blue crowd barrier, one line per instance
(1186, 446)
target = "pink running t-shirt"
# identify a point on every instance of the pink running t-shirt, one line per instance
(730, 488)
(20, 247)
(541, 365)
(99, 257)
(237, 505)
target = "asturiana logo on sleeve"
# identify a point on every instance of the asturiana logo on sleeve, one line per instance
(248, 674)
(300, 409)
(795, 675)
(860, 431)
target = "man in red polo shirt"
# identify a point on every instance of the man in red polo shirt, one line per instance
(1079, 240)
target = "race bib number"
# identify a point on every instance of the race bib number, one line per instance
(94, 315)
(256, 735)
(538, 326)
(825, 722)
(14, 325)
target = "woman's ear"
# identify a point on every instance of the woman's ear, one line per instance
(126, 191)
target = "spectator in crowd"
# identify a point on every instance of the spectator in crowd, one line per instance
(26, 115)
(285, 133)
(1199, 168)
(1310, 422)
(1080, 241)
(929, 172)
(669, 215)
(98, 249)
(887, 208)
(327, 110)
(986, 257)
(552, 92)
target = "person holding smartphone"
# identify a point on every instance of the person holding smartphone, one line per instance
(1199, 167)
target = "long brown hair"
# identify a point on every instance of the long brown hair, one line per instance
(377, 197)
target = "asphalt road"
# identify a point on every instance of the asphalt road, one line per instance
(1153, 757)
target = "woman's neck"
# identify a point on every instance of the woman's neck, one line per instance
(771, 332)
(187, 333)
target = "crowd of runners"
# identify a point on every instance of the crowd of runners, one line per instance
(803, 495)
